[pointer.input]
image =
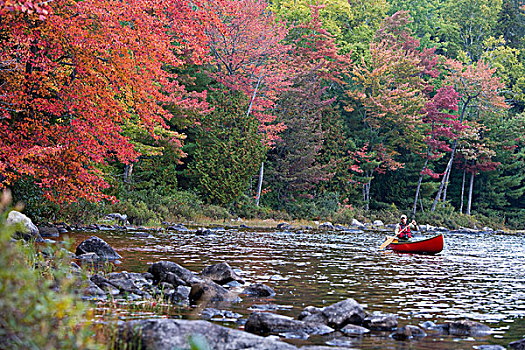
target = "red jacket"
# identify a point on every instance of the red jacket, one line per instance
(406, 233)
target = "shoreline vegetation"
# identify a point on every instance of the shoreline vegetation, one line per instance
(52, 315)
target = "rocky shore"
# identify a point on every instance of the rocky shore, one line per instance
(222, 285)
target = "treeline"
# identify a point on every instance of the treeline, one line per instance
(169, 110)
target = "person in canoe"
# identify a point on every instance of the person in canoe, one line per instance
(403, 229)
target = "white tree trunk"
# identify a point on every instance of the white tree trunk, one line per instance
(470, 194)
(259, 188)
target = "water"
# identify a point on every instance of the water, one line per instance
(477, 276)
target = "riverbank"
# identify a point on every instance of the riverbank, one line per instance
(307, 268)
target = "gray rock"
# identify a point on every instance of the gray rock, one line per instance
(380, 322)
(169, 334)
(217, 315)
(518, 345)
(489, 347)
(259, 290)
(409, 332)
(48, 231)
(25, 227)
(160, 270)
(104, 284)
(209, 291)
(88, 257)
(121, 218)
(178, 227)
(342, 313)
(93, 292)
(326, 226)
(98, 246)
(354, 330)
(357, 223)
(129, 283)
(220, 273)
(284, 226)
(467, 327)
(180, 295)
(378, 223)
(264, 323)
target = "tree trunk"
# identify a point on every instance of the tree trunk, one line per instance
(452, 153)
(444, 179)
(259, 188)
(469, 206)
(128, 172)
(446, 186)
(367, 194)
(462, 191)
(414, 208)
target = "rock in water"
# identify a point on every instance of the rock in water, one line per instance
(169, 334)
(98, 246)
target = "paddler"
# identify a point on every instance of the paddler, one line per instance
(403, 229)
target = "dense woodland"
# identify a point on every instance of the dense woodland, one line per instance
(166, 110)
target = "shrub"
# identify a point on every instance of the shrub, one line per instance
(38, 307)
(216, 212)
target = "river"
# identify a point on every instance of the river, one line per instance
(477, 276)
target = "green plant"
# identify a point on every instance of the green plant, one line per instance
(38, 305)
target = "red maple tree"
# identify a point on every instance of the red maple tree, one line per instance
(73, 73)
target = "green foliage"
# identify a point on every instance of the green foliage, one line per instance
(154, 206)
(216, 212)
(229, 150)
(38, 305)
(29, 194)
(322, 206)
(245, 207)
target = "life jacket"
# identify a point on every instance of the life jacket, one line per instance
(406, 233)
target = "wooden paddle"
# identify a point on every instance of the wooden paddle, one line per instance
(391, 239)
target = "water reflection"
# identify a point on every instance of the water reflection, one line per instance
(476, 277)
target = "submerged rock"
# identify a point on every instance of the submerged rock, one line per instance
(169, 334)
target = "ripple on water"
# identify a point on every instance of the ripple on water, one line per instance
(479, 277)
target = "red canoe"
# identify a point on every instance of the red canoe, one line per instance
(432, 245)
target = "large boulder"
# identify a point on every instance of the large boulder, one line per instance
(99, 247)
(25, 227)
(221, 273)
(169, 334)
(336, 315)
(264, 323)
(161, 269)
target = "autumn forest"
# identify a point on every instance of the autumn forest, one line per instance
(171, 110)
